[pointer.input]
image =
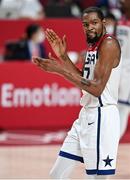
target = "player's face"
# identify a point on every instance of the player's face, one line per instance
(93, 26)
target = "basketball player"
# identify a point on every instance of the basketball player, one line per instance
(123, 34)
(94, 136)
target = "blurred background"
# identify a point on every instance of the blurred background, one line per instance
(37, 108)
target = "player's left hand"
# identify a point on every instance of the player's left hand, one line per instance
(58, 44)
(49, 65)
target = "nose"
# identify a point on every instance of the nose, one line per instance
(89, 27)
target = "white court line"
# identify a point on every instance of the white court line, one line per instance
(44, 138)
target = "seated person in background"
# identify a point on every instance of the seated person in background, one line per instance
(30, 46)
(17, 9)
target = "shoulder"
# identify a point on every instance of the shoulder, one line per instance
(110, 43)
(110, 50)
(110, 40)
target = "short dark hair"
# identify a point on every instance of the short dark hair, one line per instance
(31, 29)
(110, 16)
(94, 9)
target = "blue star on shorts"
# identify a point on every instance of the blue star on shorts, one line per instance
(108, 161)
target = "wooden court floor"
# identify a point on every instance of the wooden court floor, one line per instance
(34, 162)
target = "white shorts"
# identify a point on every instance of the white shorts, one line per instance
(93, 140)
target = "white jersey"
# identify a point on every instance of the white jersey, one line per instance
(123, 35)
(109, 95)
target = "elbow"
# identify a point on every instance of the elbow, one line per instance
(95, 89)
(97, 92)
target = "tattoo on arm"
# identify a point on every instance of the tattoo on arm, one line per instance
(85, 82)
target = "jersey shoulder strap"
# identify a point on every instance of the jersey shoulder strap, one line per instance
(98, 43)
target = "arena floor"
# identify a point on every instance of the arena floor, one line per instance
(34, 162)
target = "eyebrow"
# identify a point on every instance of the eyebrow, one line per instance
(91, 20)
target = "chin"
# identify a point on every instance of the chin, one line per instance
(92, 40)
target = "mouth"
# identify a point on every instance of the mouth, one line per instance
(91, 34)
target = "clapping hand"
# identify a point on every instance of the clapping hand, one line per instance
(58, 45)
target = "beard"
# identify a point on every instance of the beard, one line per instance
(95, 39)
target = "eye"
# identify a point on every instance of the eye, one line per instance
(95, 22)
(85, 24)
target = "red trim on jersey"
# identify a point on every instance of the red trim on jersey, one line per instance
(97, 44)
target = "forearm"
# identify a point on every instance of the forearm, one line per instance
(91, 86)
(69, 64)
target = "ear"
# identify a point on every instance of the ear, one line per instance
(104, 22)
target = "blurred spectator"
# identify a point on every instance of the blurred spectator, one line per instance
(57, 10)
(123, 35)
(31, 9)
(62, 8)
(114, 8)
(111, 23)
(75, 10)
(109, 6)
(113, 3)
(43, 2)
(102, 3)
(86, 3)
(30, 46)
